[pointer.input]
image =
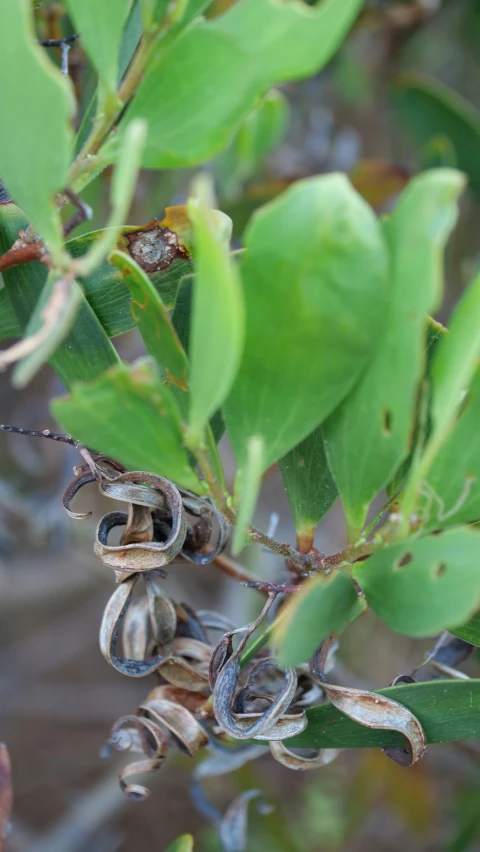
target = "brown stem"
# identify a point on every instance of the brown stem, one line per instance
(24, 254)
(232, 569)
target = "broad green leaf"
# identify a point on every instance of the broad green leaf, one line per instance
(87, 351)
(324, 605)
(101, 27)
(131, 36)
(52, 320)
(424, 585)
(430, 109)
(451, 494)
(123, 187)
(247, 489)
(108, 295)
(370, 434)
(196, 92)
(315, 283)
(217, 330)
(151, 317)
(469, 632)
(456, 360)
(36, 142)
(129, 414)
(9, 326)
(310, 486)
(181, 321)
(447, 710)
(181, 844)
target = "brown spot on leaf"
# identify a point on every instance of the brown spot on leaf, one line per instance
(404, 560)
(440, 569)
(387, 421)
(155, 248)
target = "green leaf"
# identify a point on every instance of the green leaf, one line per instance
(87, 351)
(430, 109)
(314, 277)
(196, 92)
(370, 434)
(425, 585)
(9, 326)
(36, 141)
(451, 494)
(469, 632)
(107, 294)
(101, 27)
(129, 414)
(123, 187)
(151, 317)
(181, 844)
(247, 489)
(324, 605)
(217, 330)
(310, 486)
(49, 325)
(131, 36)
(455, 361)
(447, 710)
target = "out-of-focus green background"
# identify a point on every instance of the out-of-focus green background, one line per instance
(379, 112)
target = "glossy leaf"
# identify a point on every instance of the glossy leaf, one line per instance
(314, 278)
(196, 93)
(430, 109)
(455, 360)
(33, 164)
(181, 844)
(310, 486)
(425, 585)
(247, 488)
(470, 631)
(451, 494)
(447, 711)
(370, 434)
(151, 317)
(130, 415)
(87, 351)
(325, 604)
(217, 329)
(9, 326)
(101, 27)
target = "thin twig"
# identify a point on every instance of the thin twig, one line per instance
(232, 569)
(84, 212)
(54, 436)
(58, 42)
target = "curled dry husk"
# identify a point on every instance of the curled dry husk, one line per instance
(277, 721)
(143, 491)
(298, 762)
(160, 721)
(376, 711)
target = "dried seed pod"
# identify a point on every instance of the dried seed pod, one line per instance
(140, 553)
(186, 731)
(113, 616)
(288, 758)
(135, 630)
(259, 725)
(233, 826)
(163, 617)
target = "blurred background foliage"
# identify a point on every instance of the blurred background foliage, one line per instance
(402, 95)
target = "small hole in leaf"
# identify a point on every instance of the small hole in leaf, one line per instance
(404, 560)
(440, 569)
(387, 421)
